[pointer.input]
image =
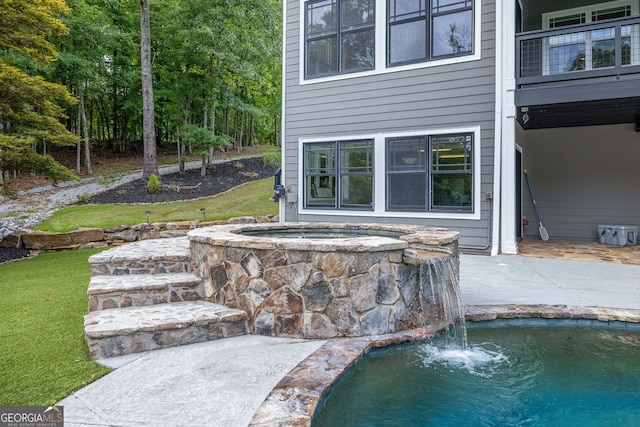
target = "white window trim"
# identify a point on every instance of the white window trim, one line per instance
(380, 174)
(587, 10)
(381, 47)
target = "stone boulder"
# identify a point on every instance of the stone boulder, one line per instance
(11, 241)
(40, 240)
(242, 220)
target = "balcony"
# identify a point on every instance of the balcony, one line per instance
(579, 63)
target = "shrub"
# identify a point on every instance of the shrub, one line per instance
(272, 159)
(84, 198)
(8, 191)
(238, 165)
(154, 184)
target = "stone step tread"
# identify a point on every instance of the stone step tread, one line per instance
(161, 317)
(170, 249)
(104, 284)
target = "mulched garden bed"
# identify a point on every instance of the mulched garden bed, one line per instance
(189, 185)
(10, 254)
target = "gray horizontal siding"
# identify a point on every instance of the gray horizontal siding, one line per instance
(454, 95)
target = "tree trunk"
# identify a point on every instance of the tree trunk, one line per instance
(79, 144)
(205, 124)
(213, 127)
(203, 167)
(105, 123)
(226, 120)
(213, 110)
(241, 128)
(85, 131)
(91, 121)
(252, 135)
(148, 120)
(115, 113)
(181, 167)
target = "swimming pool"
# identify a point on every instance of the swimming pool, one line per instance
(506, 376)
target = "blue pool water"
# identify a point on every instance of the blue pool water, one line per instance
(521, 376)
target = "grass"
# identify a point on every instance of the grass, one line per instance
(43, 356)
(108, 181)
(251, 199)
(120, 169)
(273, 159)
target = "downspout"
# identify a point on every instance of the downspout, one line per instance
(490, 239)
(493, 222)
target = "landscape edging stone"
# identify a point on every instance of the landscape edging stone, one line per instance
(83, 238)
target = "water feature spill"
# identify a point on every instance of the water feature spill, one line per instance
(440, 280)
(451, 349)
(477, 360)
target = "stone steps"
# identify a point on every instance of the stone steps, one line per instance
(121, 331)
(155, 256)
(128, 290)
(143, 296)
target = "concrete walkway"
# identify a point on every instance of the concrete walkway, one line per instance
(508, 279)
(216, 383)
(222, 383)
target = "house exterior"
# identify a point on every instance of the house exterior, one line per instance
(428, 112)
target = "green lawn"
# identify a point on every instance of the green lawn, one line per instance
(43, 356)
(251, 199)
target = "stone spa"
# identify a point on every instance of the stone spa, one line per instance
(326, 280)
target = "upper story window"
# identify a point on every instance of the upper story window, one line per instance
(423, 30)
(339, 37)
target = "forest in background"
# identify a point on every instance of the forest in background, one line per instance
(216, 67)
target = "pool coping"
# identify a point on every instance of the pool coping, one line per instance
(366, 237)
(294, 400)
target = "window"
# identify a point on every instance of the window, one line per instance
(407, 174)
(451, 170)
(442, 181)
(422, 30)
(339, 37)
(339, 175)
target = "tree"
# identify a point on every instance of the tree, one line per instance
(213, 64)
(80, 64)
(30, 107)
(201, 141)
(458, 38)
(148, 110)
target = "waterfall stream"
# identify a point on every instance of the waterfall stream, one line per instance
(440, 282)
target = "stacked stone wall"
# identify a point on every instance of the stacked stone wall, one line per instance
(86, 238)
(324, 294)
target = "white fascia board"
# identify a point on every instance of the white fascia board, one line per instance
(281, 204)
(505, 223)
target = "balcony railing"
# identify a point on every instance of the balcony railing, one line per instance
(606, 48)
